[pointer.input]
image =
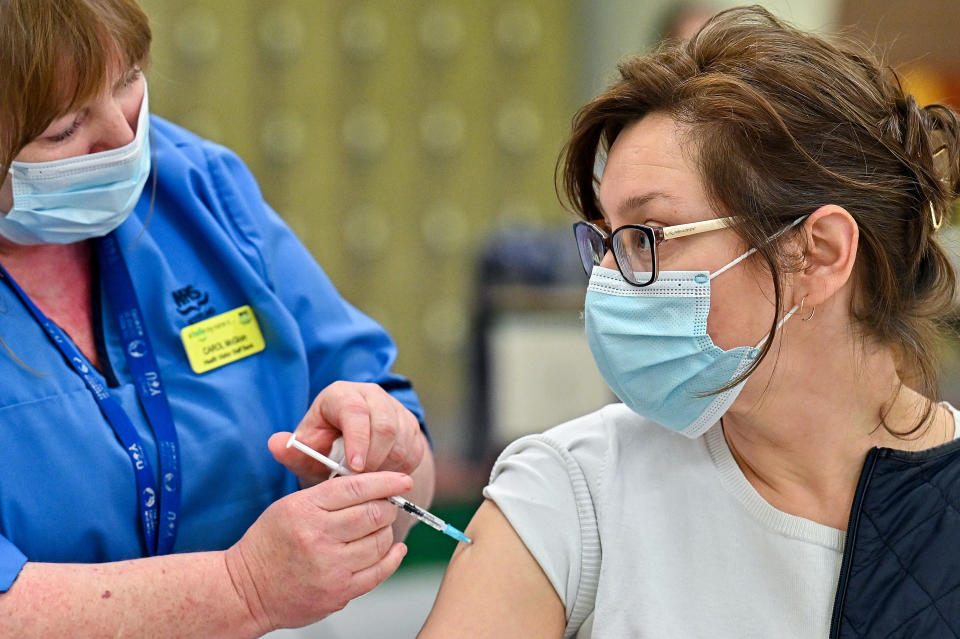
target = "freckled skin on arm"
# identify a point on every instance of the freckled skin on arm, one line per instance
(187, 595)
(494, 588)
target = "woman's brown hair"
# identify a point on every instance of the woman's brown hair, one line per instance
(785, 121)
(55, 55)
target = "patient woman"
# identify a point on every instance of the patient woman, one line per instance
(766, 281)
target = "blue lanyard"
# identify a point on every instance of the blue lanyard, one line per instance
(158, 512)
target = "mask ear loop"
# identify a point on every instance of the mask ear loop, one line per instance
(733, 263)
(780, 324)
(795, 308)
(754, 250)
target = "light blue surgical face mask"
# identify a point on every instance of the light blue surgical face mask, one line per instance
(652, 348)
(78, 198)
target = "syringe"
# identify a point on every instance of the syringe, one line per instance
(406, 506)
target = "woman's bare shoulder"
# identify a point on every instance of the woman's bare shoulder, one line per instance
(494, 587)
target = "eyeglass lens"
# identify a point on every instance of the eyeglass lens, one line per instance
(631, 248)
(591, 245)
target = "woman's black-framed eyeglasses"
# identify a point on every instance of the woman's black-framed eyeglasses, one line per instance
(635, 245)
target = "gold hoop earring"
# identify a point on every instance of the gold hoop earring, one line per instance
(800, 311)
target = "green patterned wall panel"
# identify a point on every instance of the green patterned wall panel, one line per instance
(392, 136)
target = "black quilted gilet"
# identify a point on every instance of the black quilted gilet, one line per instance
(900, 575)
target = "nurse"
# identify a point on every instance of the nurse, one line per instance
(159, 323)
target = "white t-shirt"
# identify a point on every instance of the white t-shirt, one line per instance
(689, 548)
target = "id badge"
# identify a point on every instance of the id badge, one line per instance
(222, 339)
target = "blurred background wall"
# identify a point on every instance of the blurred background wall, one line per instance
(392, 136)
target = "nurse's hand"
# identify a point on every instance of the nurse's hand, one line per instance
(313, 551)
(379, 433)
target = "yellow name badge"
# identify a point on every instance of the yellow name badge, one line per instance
(221, 339)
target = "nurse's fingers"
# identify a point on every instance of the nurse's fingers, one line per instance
(356, 522)
(368, 578)
(366, 551)
(410, 444)
(344, 406)
(344, 492)
(383, 424)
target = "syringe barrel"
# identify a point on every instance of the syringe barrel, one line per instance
(419, 513)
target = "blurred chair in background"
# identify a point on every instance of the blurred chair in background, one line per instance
(531, 366)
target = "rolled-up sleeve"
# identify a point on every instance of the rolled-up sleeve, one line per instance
(11, 563)
(542, 491)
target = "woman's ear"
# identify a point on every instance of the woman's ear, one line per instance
(831, 236)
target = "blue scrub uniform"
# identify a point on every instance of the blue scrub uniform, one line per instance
(207, 243)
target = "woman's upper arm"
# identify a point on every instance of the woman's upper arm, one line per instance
(494, 587)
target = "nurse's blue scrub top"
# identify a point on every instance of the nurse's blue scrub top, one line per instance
(207, 244)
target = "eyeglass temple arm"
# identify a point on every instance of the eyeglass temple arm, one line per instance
(681, 230)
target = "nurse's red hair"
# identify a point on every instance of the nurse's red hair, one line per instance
(56, 55)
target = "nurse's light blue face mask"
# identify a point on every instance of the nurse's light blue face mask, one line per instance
(78, 198)
(652, 348)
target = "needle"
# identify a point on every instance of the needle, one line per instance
(407, 506)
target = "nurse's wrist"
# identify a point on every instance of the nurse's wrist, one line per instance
(250, 613)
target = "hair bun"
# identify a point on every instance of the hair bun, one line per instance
(929, 141)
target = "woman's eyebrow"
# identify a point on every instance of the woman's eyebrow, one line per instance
(639, 201)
